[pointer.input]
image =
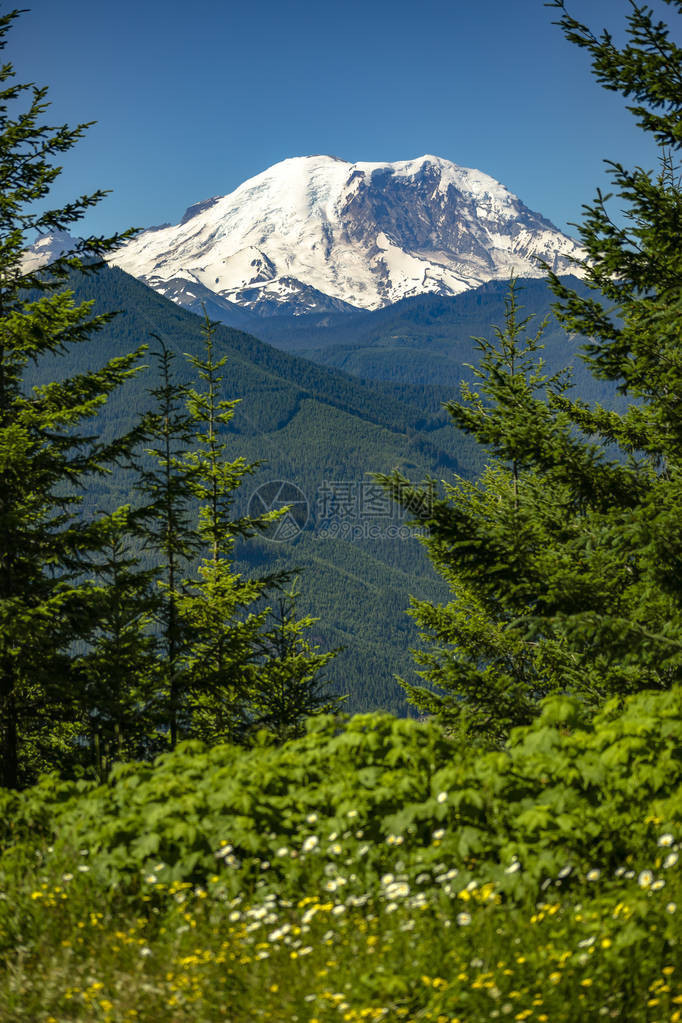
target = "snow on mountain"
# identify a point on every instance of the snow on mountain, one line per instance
(46, 249)
(316, 233)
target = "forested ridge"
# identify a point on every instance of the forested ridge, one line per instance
(311, 427)
(191, 825)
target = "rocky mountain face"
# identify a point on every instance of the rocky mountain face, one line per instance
(318, 234)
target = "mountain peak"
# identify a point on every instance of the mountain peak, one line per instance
(317, 232)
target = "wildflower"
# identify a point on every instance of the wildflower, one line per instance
(670, 860)
(438, 834)
(67, 877)
(645, 878)
(336, 848)
(145, 951)
(593, 875)
(310, 843)
(565, 871)
(312, 818)
(513, 867)
(398, 890)
(463, 919)
(666, 840)
(352, 813)
(224, 851)
(671, 907)
(441, 797)
(150, 878)
(657, 885)
(283, 851)
(395, 840)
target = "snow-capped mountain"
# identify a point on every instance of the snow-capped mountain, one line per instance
(317, 233)
(46, 250)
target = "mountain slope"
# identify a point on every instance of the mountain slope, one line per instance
(318, 234)
(324, 432)
(426, 341)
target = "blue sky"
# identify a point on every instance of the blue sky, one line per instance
(193, 97)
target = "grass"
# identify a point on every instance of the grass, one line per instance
(374, 869)
(424, 948)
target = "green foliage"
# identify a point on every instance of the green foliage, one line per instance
(288, 683)
(120, 671)
(483, 676)
(374, 853)
(164, 525)
(217, 605)
(370, 792)
(575, 563)
(331, 427)
(46, 454)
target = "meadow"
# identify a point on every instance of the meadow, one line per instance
(374, 869)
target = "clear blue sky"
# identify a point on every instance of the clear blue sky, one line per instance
(193, 97)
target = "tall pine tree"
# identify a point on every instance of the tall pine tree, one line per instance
(218, 606)
(166, 528)
(46, 453)
(120, 669)
(578, 556)
(287, 681)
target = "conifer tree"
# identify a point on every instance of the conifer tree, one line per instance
(46, 453)
(120, 671)
(288, 684)
(483, 673)
(578, 562)
(218, 606)
(166, 529)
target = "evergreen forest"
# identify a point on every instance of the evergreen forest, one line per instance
(227, 791)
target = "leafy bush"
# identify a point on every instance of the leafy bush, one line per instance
(371, 792)
(374, 864)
